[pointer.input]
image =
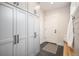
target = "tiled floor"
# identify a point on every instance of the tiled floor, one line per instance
(45, 53)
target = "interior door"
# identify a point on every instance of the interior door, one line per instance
(36, 35)
(21, 33)
(30, 35)
(6, 30)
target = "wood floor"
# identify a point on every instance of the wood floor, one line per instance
(45, 53)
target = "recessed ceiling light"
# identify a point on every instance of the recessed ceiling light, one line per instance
(51, 2)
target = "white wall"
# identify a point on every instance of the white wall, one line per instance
(56, 19)
(42, 27)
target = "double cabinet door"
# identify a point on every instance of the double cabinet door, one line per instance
(13, 31)
(33, 35)
(20, 32)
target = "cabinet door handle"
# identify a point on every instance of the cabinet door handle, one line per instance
(17, 38)
(35, 35)
(16, 3)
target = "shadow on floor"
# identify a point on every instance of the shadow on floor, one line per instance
(45, 53)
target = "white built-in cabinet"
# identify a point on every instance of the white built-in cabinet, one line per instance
(19, 30)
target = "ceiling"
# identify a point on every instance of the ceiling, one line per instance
(47, 6)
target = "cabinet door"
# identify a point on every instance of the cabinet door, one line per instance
(36, 35)
(22, 5)
(30, 34)
(31, 7)
(21, 32)
(6, 30)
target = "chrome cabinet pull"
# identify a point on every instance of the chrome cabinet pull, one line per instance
(35, 34)
(15, 39)
(16, 3)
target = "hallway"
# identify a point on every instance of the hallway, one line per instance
(39, 28)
